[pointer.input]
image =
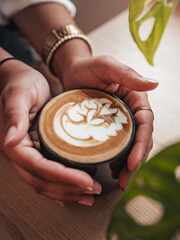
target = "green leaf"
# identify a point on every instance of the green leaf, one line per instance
(150, 207)
(161, 12)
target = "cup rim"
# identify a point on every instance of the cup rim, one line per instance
(80, 164)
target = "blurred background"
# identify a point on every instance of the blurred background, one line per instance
(92, 13)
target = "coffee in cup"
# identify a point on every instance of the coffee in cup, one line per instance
(87, 129)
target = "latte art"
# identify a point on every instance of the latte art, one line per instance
(85, 126)
(89, 123)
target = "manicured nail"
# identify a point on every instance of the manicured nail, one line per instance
(86, 188)
(60, 203)
(97, 187)
(10, 135)
(97, 193)
(149, 80)
(92, 192)
(85, 203)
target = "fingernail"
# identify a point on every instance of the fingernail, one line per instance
(92, 192)
(10, 135)
(86, 188)
(97, 193)
(60, 203)
(97, 187)
(149, 80)
(85, 203)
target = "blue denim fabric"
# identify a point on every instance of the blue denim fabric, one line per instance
(12, 44)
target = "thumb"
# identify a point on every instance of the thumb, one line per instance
(127, 77)
(16, 119)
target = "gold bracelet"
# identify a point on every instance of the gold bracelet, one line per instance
(57, 37)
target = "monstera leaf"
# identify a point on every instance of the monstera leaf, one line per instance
(150, 207)
(161, 11)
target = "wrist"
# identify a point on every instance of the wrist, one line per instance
(63, 47)
(3, 67)
(5, 61)
(70, 52)
(9, 68)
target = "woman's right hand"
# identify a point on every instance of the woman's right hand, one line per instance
(25, 92)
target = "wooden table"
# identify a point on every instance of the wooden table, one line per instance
(27, 215)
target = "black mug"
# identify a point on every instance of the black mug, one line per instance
(105, 172)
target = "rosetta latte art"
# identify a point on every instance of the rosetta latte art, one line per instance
(89, 123)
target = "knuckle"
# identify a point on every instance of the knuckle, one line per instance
(128, 72)
(135, 96)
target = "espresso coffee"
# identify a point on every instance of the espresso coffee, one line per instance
(86, 126)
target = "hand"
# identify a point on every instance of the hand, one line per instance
(107, 74)
(25, 92)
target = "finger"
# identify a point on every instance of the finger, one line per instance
(144, 121)
(61, 203)
(116, 72)
(87, 200)
(33, 162)
(58, 192)
(111, 88)
(148, 150)
(15, 116)
(40, 185)
(124, 177)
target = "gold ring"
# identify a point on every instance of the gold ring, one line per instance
(144, 108)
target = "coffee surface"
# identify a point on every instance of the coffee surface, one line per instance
(85, 125)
